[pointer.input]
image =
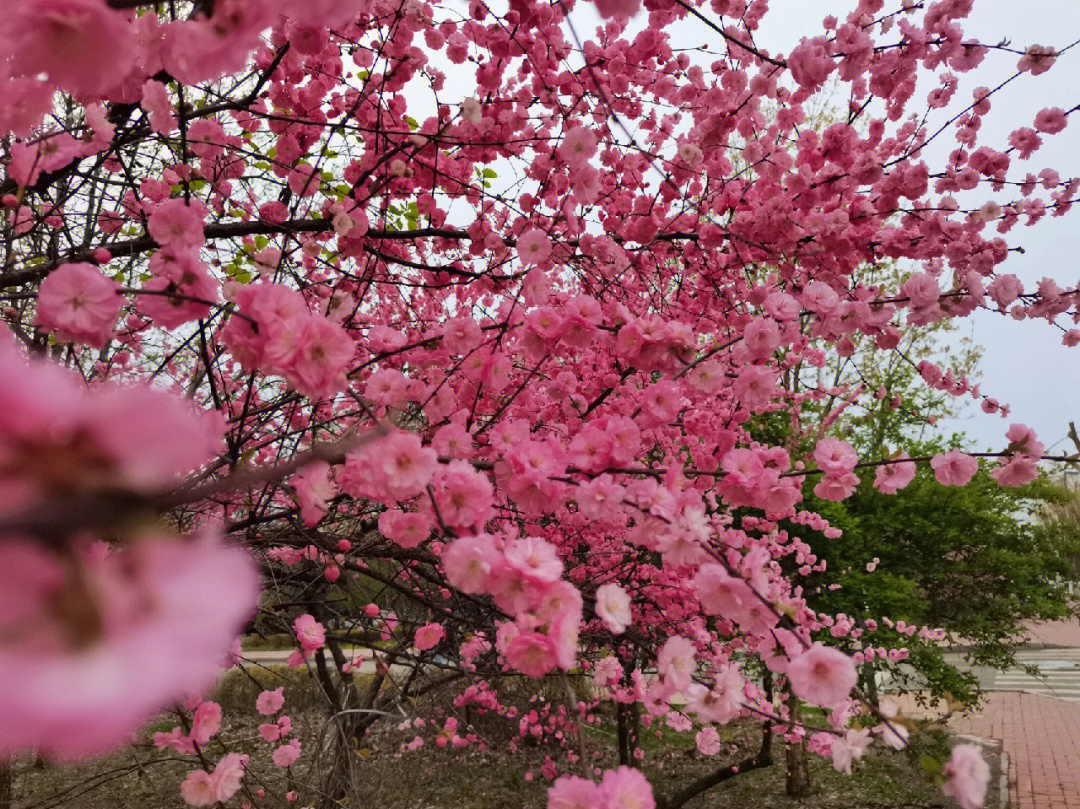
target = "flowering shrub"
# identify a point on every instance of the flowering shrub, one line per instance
(481, 309)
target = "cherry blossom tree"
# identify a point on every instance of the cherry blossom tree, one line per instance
(477, 306)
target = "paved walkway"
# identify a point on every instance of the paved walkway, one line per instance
(1055, 633)
(1036, 718)
(1042, 737)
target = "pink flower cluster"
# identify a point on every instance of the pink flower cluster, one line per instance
(202, 788)
(523, 577)
(273, 331)
(837, 459)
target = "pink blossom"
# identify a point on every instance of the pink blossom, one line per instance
(837, 487)
(206, 722)
(428, 636)
(892, 477)
(1025, 140)
(461, 334)
(921, 290)
(835, 456)
(723, 701)
(534, 247)
(304, 180)
(760, 338)
(317, 367)
(707, 741)
(82, 45)
(613, 607)
(1005, 289)
(626, 788)
(572, 792)
(967, 776)
(270, 731)
(1037, 59)
(469, 561)
(579, 144)
(27, 100)
(721, 593)
(286, 755)
(820, 298)
(270, 702)
(177, 224)
(849, 748)
(1024, 439)
(676, 662)
(591, 448)
(661, 401)
(406, 467)
(822, 676)
(453, 441)
(1051, 120)
(408, 529)
(174, 739)
(197, 789)
(531, 653)
(463, 496)
(1019, 470)
(534, 559)
(309, 632)
(228, 774)
(810, 64)
(187, 291)
(139, 438)
(607, 671)
(77, 303)
(158, 106)
(954, 468)
(387, 386)
(314, 490)
(619, 9)
(755, 386)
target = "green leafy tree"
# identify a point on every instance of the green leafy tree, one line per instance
(975, 561)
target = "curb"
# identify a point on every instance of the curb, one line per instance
(994, 749)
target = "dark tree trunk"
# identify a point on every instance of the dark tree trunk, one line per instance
(622, 732)
(798, 767)
(7, 792)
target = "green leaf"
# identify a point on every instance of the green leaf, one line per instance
(929, 764)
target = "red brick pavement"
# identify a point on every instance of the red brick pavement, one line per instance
(1042, 737)
(1055, 633)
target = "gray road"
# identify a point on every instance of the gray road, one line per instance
(1059, 674)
